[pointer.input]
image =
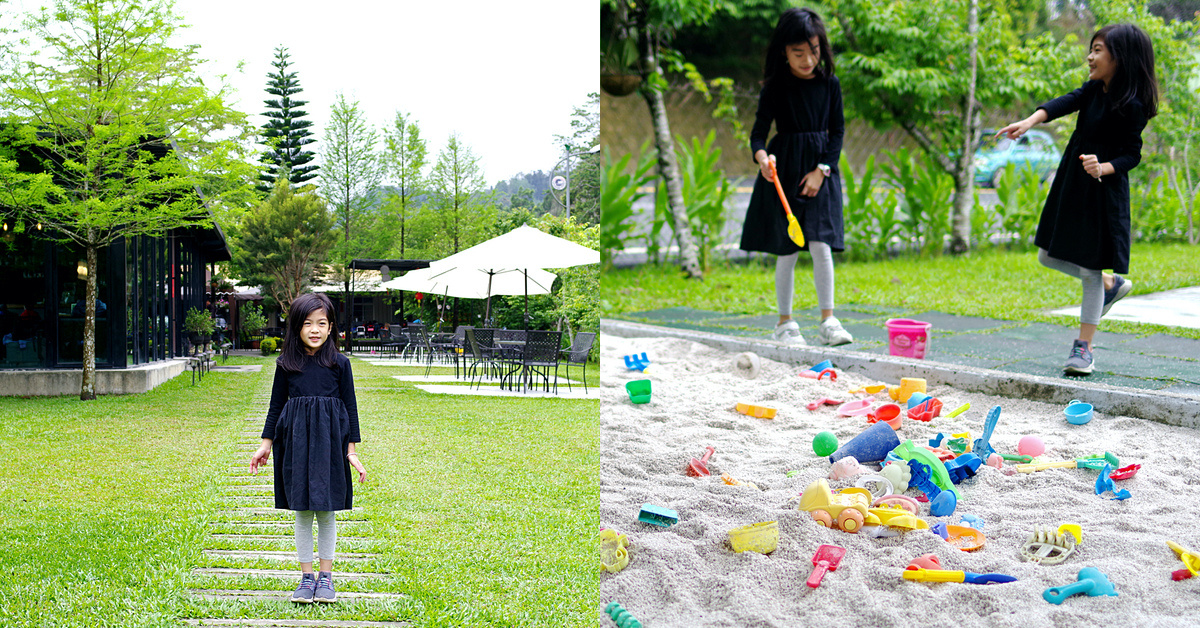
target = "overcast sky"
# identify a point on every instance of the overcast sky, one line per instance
(504, 75)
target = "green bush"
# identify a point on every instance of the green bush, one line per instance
(268, 345)
(618, 193)
(198, 321)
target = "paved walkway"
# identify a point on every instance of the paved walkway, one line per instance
(1158, 362)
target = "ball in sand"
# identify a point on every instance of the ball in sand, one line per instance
(824, 444)
(1031, 446)
(747, 365)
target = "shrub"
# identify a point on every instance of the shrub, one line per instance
(268, 345)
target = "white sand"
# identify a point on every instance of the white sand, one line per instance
(687, 575)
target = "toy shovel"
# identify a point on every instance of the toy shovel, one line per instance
(697, 468)
(826, 559)
(1191, 562)
(794, 231)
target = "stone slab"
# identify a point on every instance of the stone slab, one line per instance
(273, 555)
(1163, 345)
(289, 574)
(563, 392)
(284, 596)
(294, 623)
(677, 315)
(61, 382)
(283, 537)
(1175, 308)
(942, 322)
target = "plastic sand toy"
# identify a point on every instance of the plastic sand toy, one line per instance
(636, 362)
(937, 470)
(895, 516)
(639, 390)
(747, 365)
(823, 401)
(982, 447)
(888, 413)
(927, 568)
(697, 468)
(1096, 461)
(1049, 547)
(1104, 483)
(872, 389)
(825, 443)
(908, 386)
(903, 501)
(1078, 412)
(1191, 562)
(657, 515)
(898, 475)
(925, 411)
(832, 374)
(827, 558)
(729, 479)
(845, 511)
(857, 407)
(846, 467)
(821, 366)
(758, 537)
(621, 616)
(613, 556)
(871, 445)
(1090, 581)
(964, 538)
(1124, 473)
(878, 485)
(959, 410)
(760, 412)
(941, 502)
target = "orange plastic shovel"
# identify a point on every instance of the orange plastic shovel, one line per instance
(794, 231)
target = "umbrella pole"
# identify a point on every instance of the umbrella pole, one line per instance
(487, 311)
(526, 271)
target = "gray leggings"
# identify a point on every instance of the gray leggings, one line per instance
(785, 277)
(1093, 286)
(326, 534)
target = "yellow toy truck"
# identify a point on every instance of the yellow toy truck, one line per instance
(848, 509)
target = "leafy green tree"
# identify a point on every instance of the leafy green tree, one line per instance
(928, 66)
(285, 134)
(284, 242)
(462, 211)
(350, 177)
(124, 131)
(651, 25)
(405, 160)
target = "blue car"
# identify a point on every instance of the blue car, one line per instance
(1035, 148)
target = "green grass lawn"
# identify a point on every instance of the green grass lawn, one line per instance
(484, 510)
(991, 283)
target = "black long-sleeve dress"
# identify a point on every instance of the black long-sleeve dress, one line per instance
(313, 418)
(1085, 221)
(809, 127)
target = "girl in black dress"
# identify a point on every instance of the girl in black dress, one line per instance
(312, 426)
(1084, 228)
(803, 98)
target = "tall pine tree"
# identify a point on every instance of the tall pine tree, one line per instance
(285, 135)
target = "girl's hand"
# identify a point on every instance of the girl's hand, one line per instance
(259, 458)
(1016, 129)
(358, 466)
(765, 167)
(811, 184)
(1093, 166)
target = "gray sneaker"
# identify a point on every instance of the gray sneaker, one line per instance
(1121, 287)
(1080, 361)
(833, 334)
(788, 332)
(325, 592)
(304, 592)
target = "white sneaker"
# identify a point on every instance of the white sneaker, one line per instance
(833, 334)
(788, 332)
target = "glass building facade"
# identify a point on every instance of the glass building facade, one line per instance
(145, 286)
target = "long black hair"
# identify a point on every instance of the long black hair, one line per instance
(294, 353)
(1133, 79)
(797, 26)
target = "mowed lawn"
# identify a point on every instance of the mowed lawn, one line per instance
(484, 510)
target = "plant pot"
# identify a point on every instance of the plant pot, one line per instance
(254, 344)
(620, 84)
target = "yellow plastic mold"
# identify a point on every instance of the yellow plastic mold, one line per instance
(613, 556)
(760, 412)
(758, 537)
(730, 480)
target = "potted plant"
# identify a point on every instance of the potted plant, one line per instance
(252, 323)
(199, 326)
(619, 73)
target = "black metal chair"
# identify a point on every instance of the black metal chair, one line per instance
(394, 342)
(577, 355)
(539, 357)
(482, 354)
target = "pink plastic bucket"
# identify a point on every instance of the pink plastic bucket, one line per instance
(908, 338)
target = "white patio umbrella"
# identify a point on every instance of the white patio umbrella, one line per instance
(523, 249)
(474, 283)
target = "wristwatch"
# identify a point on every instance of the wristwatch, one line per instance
(824, 168)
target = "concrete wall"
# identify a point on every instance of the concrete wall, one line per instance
(53, 382)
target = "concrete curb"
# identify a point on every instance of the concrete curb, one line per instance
(1161, 407)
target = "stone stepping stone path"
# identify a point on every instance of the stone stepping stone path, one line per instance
(248, 534)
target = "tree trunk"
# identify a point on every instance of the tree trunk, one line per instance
(668, 165)
(88, 391)
(964, 173)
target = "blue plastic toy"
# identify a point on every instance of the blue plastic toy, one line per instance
(822, 366)
(940, 530)
(871, 445)
(1090, 581)
(1105, 483)
(941, 503)
(982, 447)
(972, 521)
(621, 616)
(916, 399)
(637, 362)
(963, 467)
(936, 441)
(657, 515)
